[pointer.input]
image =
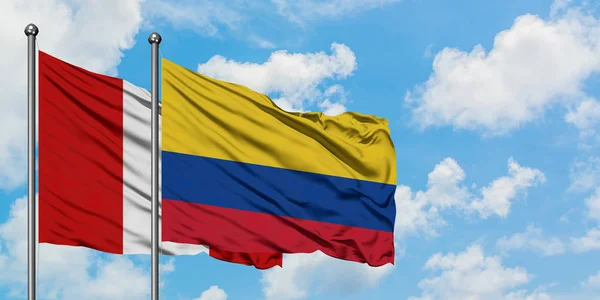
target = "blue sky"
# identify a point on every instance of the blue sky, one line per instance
(493, 108)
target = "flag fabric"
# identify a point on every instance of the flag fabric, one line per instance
(94, 165)
(242, 175)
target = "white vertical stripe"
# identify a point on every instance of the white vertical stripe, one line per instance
(136, 176)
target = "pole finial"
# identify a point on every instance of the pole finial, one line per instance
(154, 38)
(31, 29)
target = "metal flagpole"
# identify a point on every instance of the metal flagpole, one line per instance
(154, 39)
(31, 32)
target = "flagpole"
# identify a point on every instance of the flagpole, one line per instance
(154, 39)
(31, 31)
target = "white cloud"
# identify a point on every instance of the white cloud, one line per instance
(69, 30)
(330, 105)
(589, 242)
(331, 109)
(419, 211)
(117, 278)
(261, 42)
(585, 175)
(66, 272)
(496, 196)
(593, 205)
(586, 116)
(532, 239)
(316, 272)
(414, 213)
(213, 293)
(593, 282)
(472, 275)
(533, 65)
(168, 267)
(524, 295)
(295, 77)
(165, 268)
(301, 11)
(444, 189)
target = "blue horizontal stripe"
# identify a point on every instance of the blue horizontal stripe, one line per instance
(276, 191)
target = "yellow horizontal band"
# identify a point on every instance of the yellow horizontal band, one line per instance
(207, 117)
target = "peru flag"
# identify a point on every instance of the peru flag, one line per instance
(94, 166)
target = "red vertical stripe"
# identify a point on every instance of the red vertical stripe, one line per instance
(80, 157)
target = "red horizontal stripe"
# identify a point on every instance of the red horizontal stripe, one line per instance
(244, 231)
(80, 157)
(261, 261)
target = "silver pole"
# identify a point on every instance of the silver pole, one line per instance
(31, 32)
(154, 39)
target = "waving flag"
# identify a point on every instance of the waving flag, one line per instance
(242, 175)
(94, 165)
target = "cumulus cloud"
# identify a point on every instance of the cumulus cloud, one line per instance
(592, 204)
(585, 175)
(66, 272)
(213, 293)
(420, 211)
(473, 275)
(585, 116)
(532, 240)
(69, 30)
(588, 178)
(297, 78)
(524, 295)
(532, 66)
(496, 196)
(593, 282)
(589, 242)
